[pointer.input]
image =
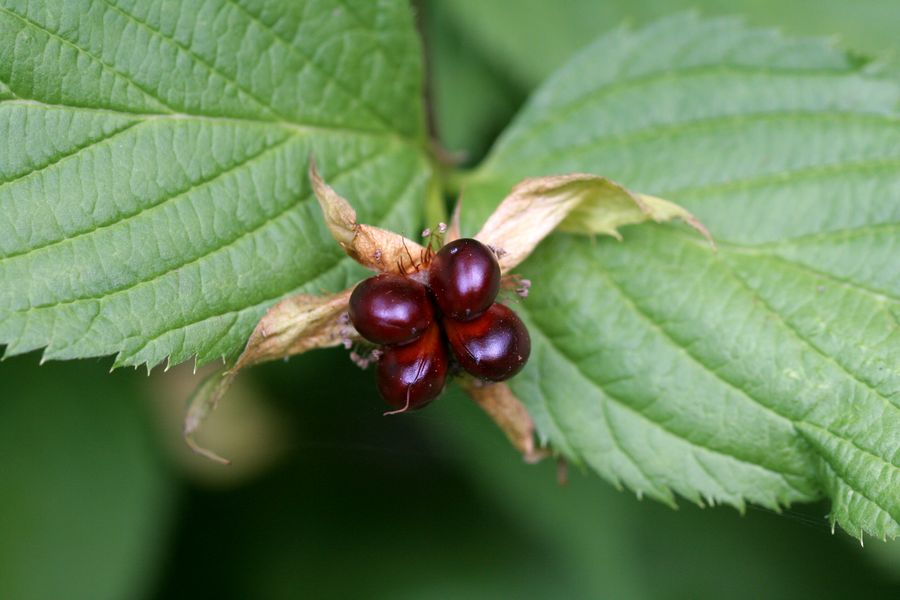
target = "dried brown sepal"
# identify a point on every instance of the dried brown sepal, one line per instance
(297, 324)
(508, 412)
(293, 326)
(579, 203)
(372, 247)
(201, 403)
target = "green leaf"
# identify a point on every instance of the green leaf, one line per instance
(153, 191)
(506, 30)
(767, 371)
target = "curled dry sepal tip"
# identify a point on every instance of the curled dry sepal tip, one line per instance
(577, 203)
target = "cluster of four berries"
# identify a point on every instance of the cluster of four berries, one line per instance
(415, 324)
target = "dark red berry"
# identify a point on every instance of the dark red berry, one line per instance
(493, 346)
(465, 278)
(412, 375)
(390, 309)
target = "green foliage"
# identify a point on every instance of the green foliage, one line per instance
(764, 372)
(506, 30)
(153, 204)
(153, 198)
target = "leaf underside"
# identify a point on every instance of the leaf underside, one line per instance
(153, 191)
(766, 372)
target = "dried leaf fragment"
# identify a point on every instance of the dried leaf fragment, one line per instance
(372, 247)
(595, 218)
(577, 202)
(294, 325)
(508, 412)
(202, 402)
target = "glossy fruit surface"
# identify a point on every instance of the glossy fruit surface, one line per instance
(390, 309)
(493, 346)
(412, 375)
(464, 277)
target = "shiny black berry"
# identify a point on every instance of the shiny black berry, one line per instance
(390, 309)
(493, 346)
(464, 277)
(412, 375)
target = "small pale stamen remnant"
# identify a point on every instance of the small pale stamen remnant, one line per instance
(426, 232)
(524, 286)
(442, 228)
(347, 343)
(359, 360)
(498, 252)
(377, 256)
(364, 359)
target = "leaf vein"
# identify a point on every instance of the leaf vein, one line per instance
(56, 35)
(880, 296)
(126, 217)
(614, 434)
(117, 291)
(69, 153)
(206, 64)
(559, 349)
(785, 176)
(834, 469)
(637, 310)
(795, 333)
(293, 126)
(308, 59)
(666, 131)
(563, 112)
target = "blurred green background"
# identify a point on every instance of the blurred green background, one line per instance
(99, 499)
